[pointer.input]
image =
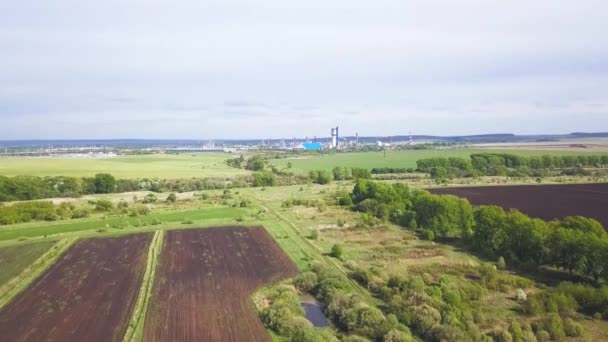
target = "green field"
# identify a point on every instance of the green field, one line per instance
(167, 166)
(35, 229)
(14, 259)
(397, 159)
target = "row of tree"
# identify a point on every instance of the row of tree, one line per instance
(574, 243)
(502, 164)
(30, 187)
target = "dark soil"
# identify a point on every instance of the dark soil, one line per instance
(203, 286)
(547, 202)
(87, 295)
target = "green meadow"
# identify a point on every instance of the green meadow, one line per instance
(169, 166)
(397, 159)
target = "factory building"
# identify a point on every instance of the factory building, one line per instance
(335, 137)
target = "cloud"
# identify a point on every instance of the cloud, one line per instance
(273, 68)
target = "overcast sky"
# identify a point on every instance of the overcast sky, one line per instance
(240, 68)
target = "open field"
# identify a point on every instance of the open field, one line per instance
(400, 159)
(14, 259)
(34, 229)
(203, 285)
(543, 201)
(168, 166)
(87, 295)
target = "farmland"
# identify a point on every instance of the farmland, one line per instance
(14, 259)
(204, 282)
(398, 159)
(543, 201)
(87, 295)
(202, 270)
(169, 166)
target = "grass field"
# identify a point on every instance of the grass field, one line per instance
(105, 224)
(132, 167)
(400, 159)
(14, 259)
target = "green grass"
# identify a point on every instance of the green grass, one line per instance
(14, 259)
(20, 282)
(184, 165)
(96, 223)
(400, 159)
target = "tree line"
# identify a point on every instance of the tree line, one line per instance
(576, 244)
(504, 164)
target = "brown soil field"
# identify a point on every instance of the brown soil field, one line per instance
(205, 278)
(543, 201)
(87, 295)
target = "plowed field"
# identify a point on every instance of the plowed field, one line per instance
(543, 201)
(87, 295)
(205, 279)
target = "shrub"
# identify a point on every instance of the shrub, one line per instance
(501, 264)
(306, 281)
(543, 336)
(572, 329)
(171, 198)
(314, 234)
(555, 327)
(80, 213)
(428, 235)
(261, 179)
(104, 205)
(336, 251)
(150, 198)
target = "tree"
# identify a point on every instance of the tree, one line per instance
(489, 234)
(104, 183)
(336, 251)
(439, 172)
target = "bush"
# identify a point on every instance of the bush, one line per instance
(572, 329)
(543, 336)
(428, 235)
(501, 264)
(306, 281)
(150, 198)
(171, 198)
(104, 205)
(555, 327)
(314, 234)
(261, 179)
(336, 251)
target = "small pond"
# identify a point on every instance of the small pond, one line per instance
(314, 312)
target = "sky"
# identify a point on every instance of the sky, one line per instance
(200, 69)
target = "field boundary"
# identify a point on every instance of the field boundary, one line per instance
(319, 254)
(136, 323)
(32, 272)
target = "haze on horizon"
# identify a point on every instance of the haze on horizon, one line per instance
(234, 68)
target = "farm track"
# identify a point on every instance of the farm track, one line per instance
(547, 202)
(135, 327)
(86, 295)
(204, 281)
(317, 252)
